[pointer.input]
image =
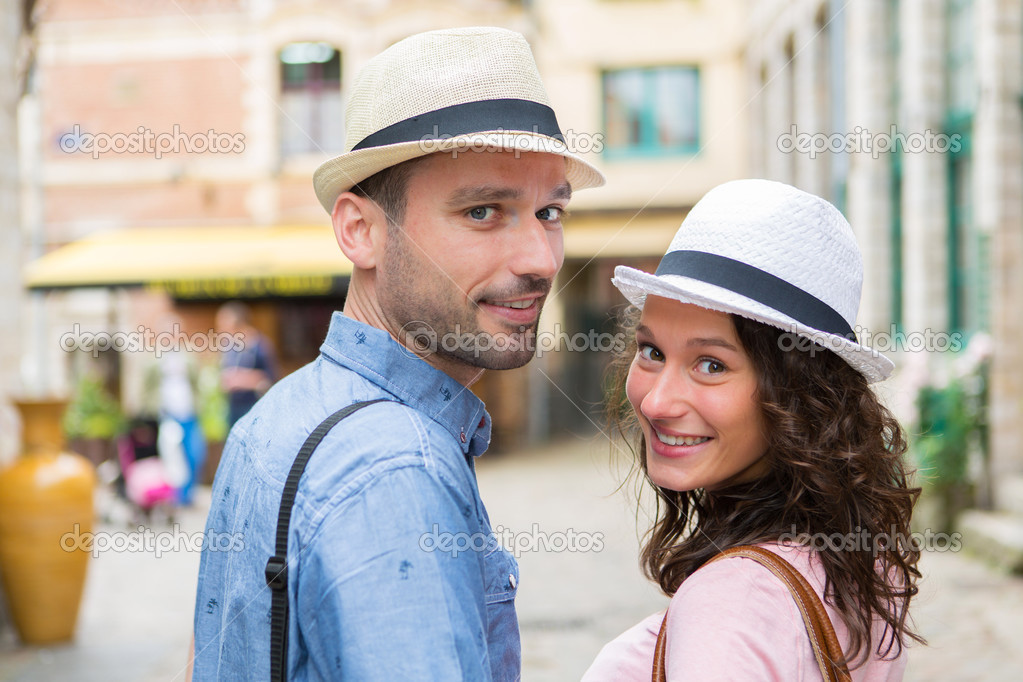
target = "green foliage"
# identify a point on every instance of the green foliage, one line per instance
(945, 428)
(952, 422)
(212, 405)
(93, 412)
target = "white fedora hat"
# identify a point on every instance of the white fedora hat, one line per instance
(464, 88)
(772, 253)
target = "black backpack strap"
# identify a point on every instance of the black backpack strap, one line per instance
(276, 571)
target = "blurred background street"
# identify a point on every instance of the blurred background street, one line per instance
(163, 259)
(137, 610)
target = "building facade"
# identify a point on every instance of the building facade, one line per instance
(158, 122)
(908, 115)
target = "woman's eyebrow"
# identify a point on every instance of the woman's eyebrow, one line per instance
(712, 341)
(696, 341)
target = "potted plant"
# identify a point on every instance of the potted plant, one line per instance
(93, 420)
(950, 435)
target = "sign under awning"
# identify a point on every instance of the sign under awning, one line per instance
(201, 262)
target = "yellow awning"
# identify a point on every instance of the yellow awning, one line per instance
(283, 260)
(200, 262)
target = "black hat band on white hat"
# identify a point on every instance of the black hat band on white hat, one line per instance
(753, 283)
(513, 115)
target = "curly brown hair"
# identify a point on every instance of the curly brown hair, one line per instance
(836, 466)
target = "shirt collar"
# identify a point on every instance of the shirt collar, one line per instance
(375, 355)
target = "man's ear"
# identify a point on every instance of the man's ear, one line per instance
(359, 226)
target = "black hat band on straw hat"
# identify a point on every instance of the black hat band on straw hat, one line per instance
(758, 285)
(512, 115)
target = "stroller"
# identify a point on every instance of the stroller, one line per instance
(147, 482)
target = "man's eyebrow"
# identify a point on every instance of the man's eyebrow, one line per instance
(562, 192)
(481, 194)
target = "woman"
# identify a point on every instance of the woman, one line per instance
(756, 425)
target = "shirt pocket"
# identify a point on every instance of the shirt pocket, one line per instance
(501, 572)
(502, 583)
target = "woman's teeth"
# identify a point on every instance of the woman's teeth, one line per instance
(681, 440)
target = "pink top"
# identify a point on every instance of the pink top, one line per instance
(734, 620)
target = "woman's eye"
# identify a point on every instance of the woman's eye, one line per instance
(648, 352)
(550, 214)
(482, 212)
(709, 366)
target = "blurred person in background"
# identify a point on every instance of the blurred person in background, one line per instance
(747, 400)
(170, 390)
(246, 371)
(449, 205)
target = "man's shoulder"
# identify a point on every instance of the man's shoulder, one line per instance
(383, 435)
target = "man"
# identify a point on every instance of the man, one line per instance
(246, 372)
(454, 231)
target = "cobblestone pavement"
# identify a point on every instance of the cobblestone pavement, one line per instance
(580, 586)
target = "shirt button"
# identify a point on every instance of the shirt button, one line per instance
(462, 436)
(511, 580)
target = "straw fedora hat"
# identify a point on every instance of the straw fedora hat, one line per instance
(454, 89)
(772, 253)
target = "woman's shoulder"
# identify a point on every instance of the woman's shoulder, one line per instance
(736, 604)
(732, 578)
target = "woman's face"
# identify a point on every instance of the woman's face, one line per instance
(693, 388)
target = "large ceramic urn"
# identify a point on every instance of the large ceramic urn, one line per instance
(46, 513)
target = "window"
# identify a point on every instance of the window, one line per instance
(312, 119)
(652, 112)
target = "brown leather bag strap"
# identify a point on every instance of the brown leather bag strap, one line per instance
(823, 640)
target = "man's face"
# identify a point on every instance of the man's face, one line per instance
(466, 275)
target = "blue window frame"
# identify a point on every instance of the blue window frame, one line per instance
(652, 111)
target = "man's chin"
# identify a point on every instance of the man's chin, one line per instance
(496, 359)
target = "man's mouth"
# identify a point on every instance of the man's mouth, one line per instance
(517, 305)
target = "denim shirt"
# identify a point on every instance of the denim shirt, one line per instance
(393, 571)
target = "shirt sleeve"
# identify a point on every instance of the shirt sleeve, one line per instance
(734, 620)
(392, 585)
(629, 656)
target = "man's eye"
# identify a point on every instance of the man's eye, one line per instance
(648, 352)
(482, 212)
(550, 214)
